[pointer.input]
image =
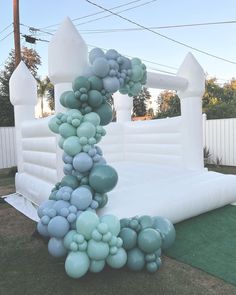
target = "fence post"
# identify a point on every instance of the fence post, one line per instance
(123, 105)
(23, 96)
(67, 59)
(191, 112)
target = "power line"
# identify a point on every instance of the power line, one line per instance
(6, 28)
(156, 28)
(6, 36)
(109, 15)
(161, 35)
(96, 13)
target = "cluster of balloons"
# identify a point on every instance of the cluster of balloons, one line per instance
(143, 238)
(92, 244)
(68, 219)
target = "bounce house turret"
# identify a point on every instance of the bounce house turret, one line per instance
(191, 112)
(23, 96)
(67, 58)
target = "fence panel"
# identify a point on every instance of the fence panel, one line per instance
(220, 138)
(7, 147)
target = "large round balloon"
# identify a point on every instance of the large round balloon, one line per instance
(72, 145)
(56, 247)
(58, 227)
(100, 67)
(96, 265)
(103, 178)
(105, 113)
(136, 259)
(77, 264)
(81, 198)
(149, 240)
(86, 223)
(82, 162)
(129, 237)
(117, 260)
(113, 223)
(166, 229)
(97, 250)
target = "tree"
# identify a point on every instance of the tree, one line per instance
(32, 60)
(44, 86)
(170, 104)
(140, 103)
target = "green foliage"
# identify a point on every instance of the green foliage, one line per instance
(140, 103)
(32, 60)
(46, 89)
(218, 101)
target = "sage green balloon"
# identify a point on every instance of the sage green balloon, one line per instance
(62, 98)
(105, 113)
(137, 73)
(167, 230)
(146, 221)
(54, 124)
(96, 83)
(135, 259)
(117, 260)
(136, 88)
(86, 129)
(70, 180)
(77, 264)
(112, 222)
(94, 98)
(67, 130)
(92, 118)
(151, 267)
(86, 223)
(81, 82)
(97, 250)
(129, 237)
(103, 178)
(72, 146)
(149, 240)
(96, 265)
(68, 239)
(61, 142)
(68, 100)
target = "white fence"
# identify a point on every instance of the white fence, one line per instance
(7, 147)
(219, 137)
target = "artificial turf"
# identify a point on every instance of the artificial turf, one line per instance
(208, 242)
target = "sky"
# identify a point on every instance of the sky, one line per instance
(215, 39)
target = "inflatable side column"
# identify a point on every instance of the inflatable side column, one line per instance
(123, 105)
(23, 96)
(67, 58)
(191, 112)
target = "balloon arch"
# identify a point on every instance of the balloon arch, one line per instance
(68, 219)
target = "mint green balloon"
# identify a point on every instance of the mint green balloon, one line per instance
(67, 130)
(54, 124)
(68, 239)
(96, 83)
(112, 222)
(74, 113)
(86, 129)
(105, 113)
(70, 180)
(77, 264)
(97, 250)
(149, 240)
(129, 237)
(96, 265)
(103, 178)
(72, 146)
(61, 142)
(86, 223)
(136, 61)
(81, 82)
(94, 98)
(135, 259)
(117, 260)
(137, 73)
(92, 118)
(146, 221)
(136, 88)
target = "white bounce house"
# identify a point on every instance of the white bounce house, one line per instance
(159, 162)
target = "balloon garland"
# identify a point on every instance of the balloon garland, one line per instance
(69, 217)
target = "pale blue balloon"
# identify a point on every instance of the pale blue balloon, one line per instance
(82, 162)
(81, 198)
(58, 205)
(117, 260)
(58, 227)
(67, 159)
(42, 229)
(77, 264)
(46, 204)
(111, 54)
(111, 84)
(94, 54)
(100, 67)
(56, 247)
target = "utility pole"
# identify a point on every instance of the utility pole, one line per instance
(16, 25)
